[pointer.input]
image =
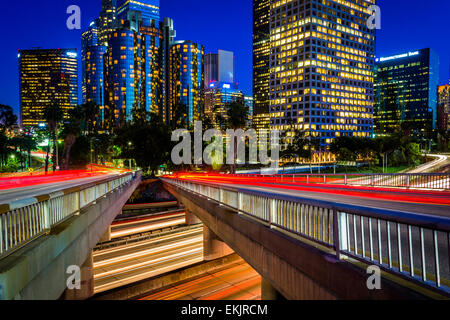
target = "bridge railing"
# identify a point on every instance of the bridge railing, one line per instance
(412, 246)
(439, 181)
(27, 219)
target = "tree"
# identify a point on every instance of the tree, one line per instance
(53, 115)
(71, 131)
(237, 114)
(147, 142)
(180, 117)
(7, 118)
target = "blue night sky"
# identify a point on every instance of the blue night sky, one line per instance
(406, 25)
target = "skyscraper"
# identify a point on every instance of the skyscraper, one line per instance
(168, 34)
(187, 78)
(107, 20)
(132, 62)
(443, 125)
(211, 68)
(47, 77)
(219, 67)
(92, 65)
(321, 69)
(220, 86)
(261, 56)
(406, 93)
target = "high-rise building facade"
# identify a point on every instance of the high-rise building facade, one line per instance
(220, 86)
(168, 34)
(211, 68)
(219, 67)
(92, 53)
(132, 63)
(107, 20)
(443, 111)
(47, 77)
(261, 56)
(321, 69)
(187, 78)
(248, 100)
(406, 95)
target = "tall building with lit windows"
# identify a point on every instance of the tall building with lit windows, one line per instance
(322, 58)
(187, 78)
(168, 34)
(107, 20)
(443, 125)
(47, 77)
(132, 63)
(92, 65)
(261, 56)
(406, 93)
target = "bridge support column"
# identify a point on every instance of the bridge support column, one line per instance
(213, 246)
(106, 237)
(87, 282)
(268, 292)
(191, 218)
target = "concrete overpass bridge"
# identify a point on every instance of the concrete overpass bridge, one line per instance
(50, 223)
(316, 241)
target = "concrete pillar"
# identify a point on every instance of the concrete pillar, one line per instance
(106, 237)
(213, 246)
(87, 282)
(268, 292)
(191, 218)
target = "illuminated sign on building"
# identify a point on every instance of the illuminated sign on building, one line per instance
(398, 56)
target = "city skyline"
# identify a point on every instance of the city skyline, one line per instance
(398, 34)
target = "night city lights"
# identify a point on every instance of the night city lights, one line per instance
(235, 159)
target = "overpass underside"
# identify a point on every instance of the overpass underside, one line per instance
(293, 267)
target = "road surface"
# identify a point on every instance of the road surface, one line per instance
(128, 263)
(142, 224)
(237, 281)
(16, 189)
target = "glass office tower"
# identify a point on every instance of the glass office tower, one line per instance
(92, 65)
(107, 20)
(443, 124)
(168, 34)
(132, 62)
(219, 67)
(47, 77)
(321, 69)
(261, 56)
(406, 93)
(187, 78)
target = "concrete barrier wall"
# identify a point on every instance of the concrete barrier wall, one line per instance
(38, 271)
